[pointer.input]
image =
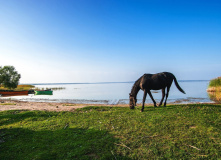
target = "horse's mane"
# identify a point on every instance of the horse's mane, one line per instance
(136, 87)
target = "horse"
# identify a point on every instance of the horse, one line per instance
(149, 82)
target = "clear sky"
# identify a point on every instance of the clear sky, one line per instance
(65, 41)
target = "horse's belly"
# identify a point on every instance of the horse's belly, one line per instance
(157, 87)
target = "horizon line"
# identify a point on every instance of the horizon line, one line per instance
(49, 83)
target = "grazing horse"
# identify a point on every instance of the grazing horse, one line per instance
(153, 82)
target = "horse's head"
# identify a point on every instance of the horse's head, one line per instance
(133, 101)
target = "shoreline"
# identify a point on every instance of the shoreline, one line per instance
(44, 106)
(187, 100)
(56, 106)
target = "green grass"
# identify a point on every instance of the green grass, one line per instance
(173, 132)
(19, 87)
(215, 82)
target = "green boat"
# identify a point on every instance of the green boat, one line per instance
(44, 92)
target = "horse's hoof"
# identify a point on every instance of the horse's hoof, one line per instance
(132, 107)
(141, 110)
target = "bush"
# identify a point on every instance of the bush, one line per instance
(9, 77)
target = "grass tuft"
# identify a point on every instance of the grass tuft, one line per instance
(214, 90)
(215, 82)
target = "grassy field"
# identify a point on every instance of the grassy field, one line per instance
(28, 87)
(172, 132)
(19, 87)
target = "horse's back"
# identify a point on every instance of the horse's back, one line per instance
(163, 76)
(156, 81)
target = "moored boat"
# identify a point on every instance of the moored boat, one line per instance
(12, 93)
(44, 92)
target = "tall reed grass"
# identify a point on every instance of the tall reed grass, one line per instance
(214, 89)
(215, 82)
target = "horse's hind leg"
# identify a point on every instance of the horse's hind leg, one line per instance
(154, 102)
(163, 95)
(168, 90)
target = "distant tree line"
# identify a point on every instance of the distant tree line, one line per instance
(9, 77)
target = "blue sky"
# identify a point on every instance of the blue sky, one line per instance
(62, 41)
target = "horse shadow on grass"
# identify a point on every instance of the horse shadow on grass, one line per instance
(68, 143)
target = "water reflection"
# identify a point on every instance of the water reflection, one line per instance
(6, 95)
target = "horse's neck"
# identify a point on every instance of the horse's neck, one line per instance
(135, 90)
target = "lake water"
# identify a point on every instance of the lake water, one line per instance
(116, 93)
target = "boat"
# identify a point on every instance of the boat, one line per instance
(12, 93)
(44, 92)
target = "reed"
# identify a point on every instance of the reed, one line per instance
(57, 88)
(214, 90)
(215, 85)
(53, 88)
(215, 96)
(215, 82)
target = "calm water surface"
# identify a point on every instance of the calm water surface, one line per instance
(117, 93)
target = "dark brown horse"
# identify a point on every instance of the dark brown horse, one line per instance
(153, 82)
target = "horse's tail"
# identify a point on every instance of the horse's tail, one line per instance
(178, 86)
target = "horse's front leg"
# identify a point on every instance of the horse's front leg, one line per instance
(144, 99)
(154, 102)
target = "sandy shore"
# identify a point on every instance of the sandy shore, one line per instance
(53, 106)
(43, 106)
